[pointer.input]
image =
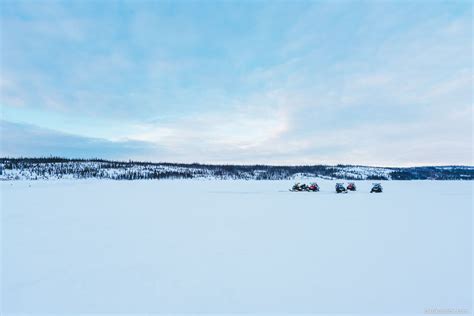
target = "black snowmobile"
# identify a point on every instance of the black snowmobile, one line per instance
(376, 188)
(351, 186)
(340, 188)
(297, 187)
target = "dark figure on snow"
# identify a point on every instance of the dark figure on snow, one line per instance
(376, 188)
(340, 188)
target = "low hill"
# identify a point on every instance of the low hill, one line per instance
(62, 168)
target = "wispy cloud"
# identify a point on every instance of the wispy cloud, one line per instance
(306, 82)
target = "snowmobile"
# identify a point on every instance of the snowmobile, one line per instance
(351, 186)
(376, 188)
(340, 188)
(297, 187)
(314, 187)
(304, 187)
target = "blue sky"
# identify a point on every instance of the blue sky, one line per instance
(278, 82)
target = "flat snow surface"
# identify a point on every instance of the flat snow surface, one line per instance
(98, 246)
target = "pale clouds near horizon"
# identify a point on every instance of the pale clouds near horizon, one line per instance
(379, 83)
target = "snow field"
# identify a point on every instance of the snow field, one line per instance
(98, 246)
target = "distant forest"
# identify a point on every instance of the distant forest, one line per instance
(63, 168)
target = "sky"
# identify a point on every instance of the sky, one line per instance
(383, 83)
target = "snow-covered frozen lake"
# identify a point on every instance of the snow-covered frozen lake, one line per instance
(96, 246)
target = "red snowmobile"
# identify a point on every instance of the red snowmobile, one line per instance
(351, 186)
(314, 187)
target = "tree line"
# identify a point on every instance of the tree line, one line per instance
(58, 167)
